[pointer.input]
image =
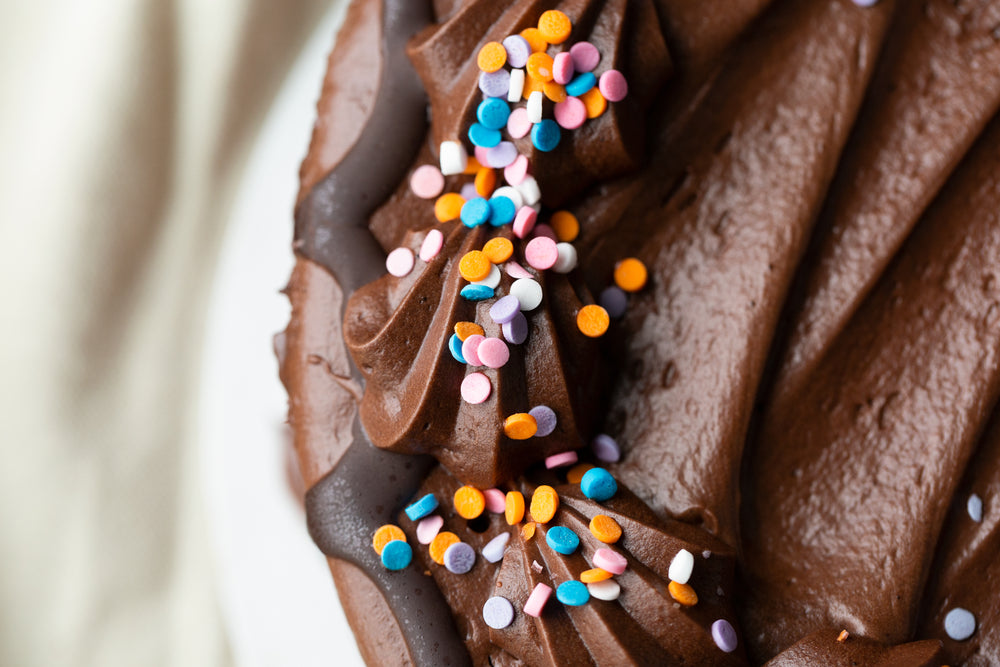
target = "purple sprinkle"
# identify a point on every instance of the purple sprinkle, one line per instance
(494, 549)
(724, 635)
(605, 448)
(459, 558)
(614, 300)
(518, 50)
(469, 192)
(546, 419)
(505, 309)
(501, 155)
(498, 612)
(495, 84)
(515, 331)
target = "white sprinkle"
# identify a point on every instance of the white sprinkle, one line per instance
(706, 554)
(528, 293)
(498, 612)
(605, 590)
(567, 259)
(399, 262)
(491, 280)
(975, 508)
(428, 528)
(959, 624)
(535, 106)
(454, 159)
(494, 549)
(510, 193)
(516, 85)
(536, 566)
(529, 190)
(681, 567)
(865, 3)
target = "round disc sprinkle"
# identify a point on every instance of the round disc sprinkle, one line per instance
(494, 549)
(959, 624)
(520, 426)
(427, 182)
(681, 567)
(614, 300)
(594, 575)
(563, 68)
(577, 472)
(562, 540)
(432, 244)
(459, 558)
(466, 329)
(486, 181)
(514, 510)
(608, 590)
(422, 507)
(541, 253)
(561, 459)
(605, 529)
(571, 113)
(536, 601)
(572, 593)
(528, 293)
(613, 85)
(469, 502)
(474, 265)
(595, 103)
(399, 262)
(524, 222)
(448, 206)
(476, 388)
(493, 353)
(545, 417)
(498, 613)
(518, 124)
(440, 544)
(396, 555)
(470, 349)
(598, 484)
(540, 67)
(593, 321)
(565, 225)
(724, 635)
(683, 593)
(518, 50)
(609, 560)
(428, 528)
(505, 309)
(631, 274)
(496, 500)
(528, 531)
(544, 503)
(491, 57)
(387, 534)
(554, 91)
(554, 26)
(605, 448)
(516, 331)
(535, 40)
(585, 56)
(498, 250)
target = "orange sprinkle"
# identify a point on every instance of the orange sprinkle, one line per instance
(554, 91)
(565, 225)
(594, 102)
(593, 321)
(465, 329)
(514, 511)
(631, 274)
(527, 531)
(683, 594)
(842, 637)
(605, 529)
(472, 166)
(531, 84)
(498, 249)
(540, 67)
(520, 426)
(554, 26)
(535, 40)
(386, 534)
(469, 502)
(576, 473)
(440, 544)
(448, 206)
(544, 503)
(474, 265)
(492, 57)
(486, 180)
(595, 575)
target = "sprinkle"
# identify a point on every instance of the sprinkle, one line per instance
(724, 635)
(397, 555)
(683, 593)
(594, 575)
(428, 528)
(524, 222)
(496, 500)
(498, 249)
(565, 225)
(605, 529)
(475, 265)
(545, 135)
(472, 166)
(546, 231)
(495, 84)
(399, 262)
(554, 26)
(455, 347)
(598, 484)
(491, 57)
(493, 352)
(605, 590)
(494, 549)
(563, 68)
(585, 56)
(631, 274)
(480, 157)
(865, 3)
(570, 113)
(541, 253)
(554, 91)
(427, 182)
(453, 158)
(459, 558)
(614, 300)
(386, 534)
(534, 107)
(562, 540)
(469, 191)
(527, 532)
(532, 85)
(975, 508)
(561, 459)
(842, 637)
(492, 280)
(516, 271)
(605, 448)
(609, 560)
(422, 507)
(959, 624)
(536, 601)
(505, 309)
(535, 565)
(577, 472)
(572, 593)
(470, 346)
(595, 103)
(476, 292)
(502, 211)
(539, 66)
(535, 39)
(465, 329)
(544, 503)
(510, 193)
(567, 259)
(482, 136)
(514, 510)
(613, 86)
(501, 155)
(593, 321)
(681, 567)
(448, 206)
(440, 544)
(545, 417)
(529, 190)
(581, 84)
(515, 331)
(476, 388)
(520, 426)
(516, 86)
(498, 612)
(518, 50)
(432, 244)
(528, 293)
(515, 172)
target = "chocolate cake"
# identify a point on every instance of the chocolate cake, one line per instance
(682, 346)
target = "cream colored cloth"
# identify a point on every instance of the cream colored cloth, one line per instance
(124, 125)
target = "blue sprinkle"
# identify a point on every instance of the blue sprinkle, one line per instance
(422, 507)
(580, 84)
(959, 624)
(573, 593)
(484, 137)
(598, 484)
(455, 347)
(493, 113)
(396, 555)
(562, 540)
(477, 292)
(975, 508)
(475, 212)
(502, 211)
(546, 135)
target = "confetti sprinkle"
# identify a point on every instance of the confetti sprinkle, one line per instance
(492, 57)
(515, 331)
(598, 484)
(495, 548)
(440, 544)
(483, 136)
(605, 448)
(959, 624)
(476, 292)
(505, 309)
(567, 259)
(683, 594)
(469, 502)
(399, 262)
(562, 540)
(465, 329)
(510, 193)
(502, 210)
(609, 560)
(605, 529)
(428, 528)
(516, 171)
(539, 66)
(498, 612)
(520, 426)
(577, 472)
(554, 91)
(422, 507)
(397, 555)
(427, 181)
(501, 155)
(486, 182)
(534, 107)
(541, 253)
(536, 601)
(493, 353)
(470, 349)
(535, 39)
(681, 567)
(524, 222)
(387, 534)
(528, 293)
(527, 532)
(631, 274)
(595, 103)
(496, 500)
(544, 503)
(492, 280)
(613, 86)
(431, 245)
(545, 417)
(565, 225)
(498, 249)
(514, 510)
(594, 575)
(974, 507)
(593, 321)
(448, 206)
(585, 56)
(459, 558)
(516, 85)
(572, 593)
(518, 50)
(495, 84)
(554, 26)
(724, 635)
(545, 135)
(530, 191)
(561, 459)
(571, 113)
(614, 300)
(516, 271)
(581, 84)
(475, 265)
(607, 590)
(454, 159)
(455, 347)
(842, 637)
(563, 68)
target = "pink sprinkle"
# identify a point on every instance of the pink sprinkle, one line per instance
(428, 528)
(541, 253)
(585, 56)
(536, 601)
(613, 86)
(476, 387)
(562, 68)
(524, 221)
(516, 271)
(431, 245)
(609, 560)
(469, 348)
(427, 182)
(546, 231)
(496, 501)
(399, 262)
(563, 459)
(481, 154)
(571, 113)
(492, 352)
(518, 124)
(516, 171)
